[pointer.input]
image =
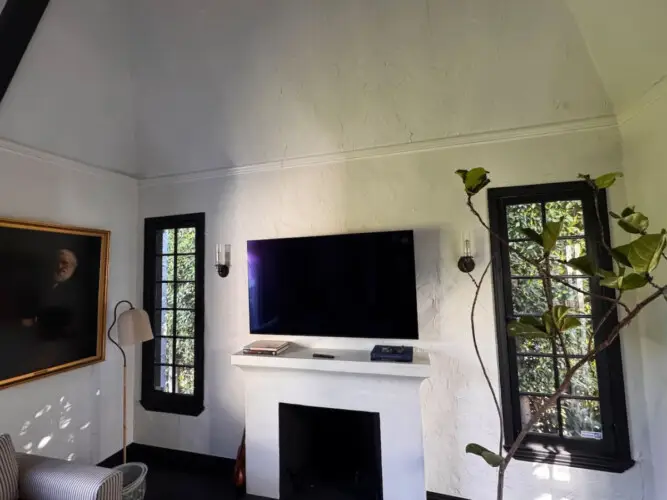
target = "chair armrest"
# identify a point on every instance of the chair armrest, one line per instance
(42, 478)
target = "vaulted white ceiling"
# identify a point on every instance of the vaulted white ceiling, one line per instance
(158, 87)
(627, 40)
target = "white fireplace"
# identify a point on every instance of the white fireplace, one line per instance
(350, 381)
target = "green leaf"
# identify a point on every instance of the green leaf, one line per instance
(462, 174)
(527, 330)
(550, 234)
(532, 320)
(645, 252)
(474, 180)
(569, 323)
(635, 223)
(607, 180)
(560, 312)
(620, 255)
(634, 281)
(583, 264)
(533, 235)
(493, 459)
(549, 324)
(625, 282)
(628, 211)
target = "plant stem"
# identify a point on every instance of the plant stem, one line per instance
(478, 286)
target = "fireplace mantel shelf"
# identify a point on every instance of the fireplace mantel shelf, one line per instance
(345, 361)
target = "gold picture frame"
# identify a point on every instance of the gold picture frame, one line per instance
(53, 299)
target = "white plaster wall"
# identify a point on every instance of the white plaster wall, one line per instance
(72, 94)
(45, 188)
(235, 82)
(416, 190)
(645, 153)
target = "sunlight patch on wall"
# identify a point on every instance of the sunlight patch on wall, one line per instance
(45, 440)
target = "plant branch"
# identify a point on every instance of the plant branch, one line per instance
(478, 286)
(613, 335)
(562, 281)
(652, 283)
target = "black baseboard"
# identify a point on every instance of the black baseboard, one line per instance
(439, 496)
(185, 460)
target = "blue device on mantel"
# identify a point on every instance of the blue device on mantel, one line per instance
(398, 353)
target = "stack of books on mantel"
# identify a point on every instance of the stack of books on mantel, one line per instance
(267, 347)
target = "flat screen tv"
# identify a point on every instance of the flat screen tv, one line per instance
(348, 285)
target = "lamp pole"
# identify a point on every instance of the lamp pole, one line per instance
(115, 319)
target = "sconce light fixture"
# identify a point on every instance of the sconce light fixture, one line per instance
(223, 268)
(466, 263)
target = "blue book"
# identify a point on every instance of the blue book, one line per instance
(401, 354)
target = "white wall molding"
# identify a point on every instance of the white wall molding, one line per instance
(60, 161)
(499, 136)
(657, 92)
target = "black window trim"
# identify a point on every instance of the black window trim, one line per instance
(152, 399)
(612, 453)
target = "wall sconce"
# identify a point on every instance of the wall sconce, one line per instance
(466, 263)
(223, 269)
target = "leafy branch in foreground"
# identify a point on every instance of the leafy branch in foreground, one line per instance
(633, 266)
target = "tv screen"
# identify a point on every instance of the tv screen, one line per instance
(349, 285)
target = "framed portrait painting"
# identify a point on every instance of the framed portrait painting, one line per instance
(53, 285)
(18, 21)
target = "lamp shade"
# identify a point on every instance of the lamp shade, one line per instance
(134, 327)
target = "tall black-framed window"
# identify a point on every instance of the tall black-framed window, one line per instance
(589, 426)
(173, 363)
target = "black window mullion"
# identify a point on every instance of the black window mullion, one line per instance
(173, 324)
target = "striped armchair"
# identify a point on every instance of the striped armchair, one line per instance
(41, 478)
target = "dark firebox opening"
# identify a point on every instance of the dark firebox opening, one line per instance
(328, 454)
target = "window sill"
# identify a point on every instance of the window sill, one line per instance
(577, 460)
(193, 409)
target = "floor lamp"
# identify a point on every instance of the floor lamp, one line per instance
(134, 328)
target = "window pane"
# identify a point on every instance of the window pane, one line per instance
(536, 374)
(163, 381)
(585, 380)
(164, 350)
(166, 323)
(527, 216)
(186, 240)
(528, 297)
(165, 292)
(577, 301)
(185, 351)
(186, 268)
(566, 250)
(572, 212)
(186, 296)
(581, 419)
(547, 424)
(165, 241)
(543, 346)
(185, 380)
(185, 323)
(518, 266)
(165, 269)
(577, 339)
